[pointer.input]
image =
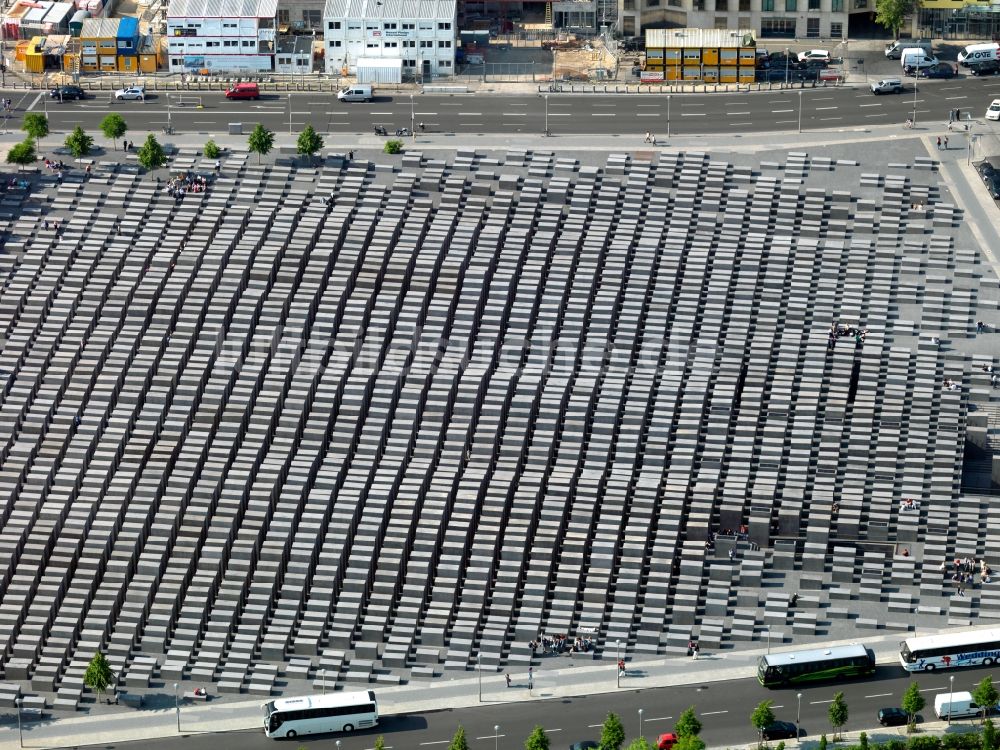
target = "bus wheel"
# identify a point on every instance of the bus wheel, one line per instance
(988, 661)
(348, 727)
(291, 734)
(929, 668)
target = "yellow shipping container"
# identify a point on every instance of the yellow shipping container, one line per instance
(748, 56)
(691, 72)
(147, 62)
(672, 56)
(710, 56)
(654, 57)
(127, 63)
(728, 57)
(69, 61)
(729, 75)
(692, 56)
(711, 75)
(672, 73)
(748, 75)
(34, 60)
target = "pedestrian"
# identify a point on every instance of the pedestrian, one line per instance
(946, 143)
(531, 677)
(507, 676)
(350, 155)
(694, 651)
(958, 114)
(939, 143)
(951, 116)
(648, 136)
(652, 139)
(732, 554)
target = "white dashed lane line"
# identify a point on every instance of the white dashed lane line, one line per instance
(821, 109)
(780, 111)
(879, 695)
(818, 703)
(713, 713)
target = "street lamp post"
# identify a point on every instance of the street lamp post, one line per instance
(800, 130)
(640, 722)
(177, 709)
(787, 53)
(323, 673)
(970, 137)
(546, 115)
(289, 113)
(618, 661)
(479, 665)
(951, 696)
(496, 736)
(668, 115)
(20, 737)
(798, 715)
(413, 132)
(914, 99)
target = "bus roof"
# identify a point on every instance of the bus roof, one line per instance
(815, 654)
(963, 638)
(324, 701)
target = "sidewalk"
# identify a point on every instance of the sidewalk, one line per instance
(569, 680)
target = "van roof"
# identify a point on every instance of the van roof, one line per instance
(942, 698)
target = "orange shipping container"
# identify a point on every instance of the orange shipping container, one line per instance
(729, 75)
(710, 56)
(711, 75)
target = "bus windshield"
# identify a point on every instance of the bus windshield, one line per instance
(904, 652)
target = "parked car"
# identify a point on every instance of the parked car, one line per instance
(941, 70)
(892, 717)
(780, 730)
(65, 93)
(820, 55)
(985, 68)
(243, 91)
(666, 741)
(993, 186)
(993, 112)
(887, 86)
(774, 75)
(986, 170)
(585, 745)
(132, 92)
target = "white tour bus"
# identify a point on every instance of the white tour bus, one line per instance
(965, 649)
(313, 714)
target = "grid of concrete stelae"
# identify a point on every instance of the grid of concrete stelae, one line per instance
(382, 420)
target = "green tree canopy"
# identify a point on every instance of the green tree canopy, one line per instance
(612, 732)
(309, 142)
(913, 703)
(35, 125)
(98, 676)
(762, 717)
(640, 743)
(838, 714)
(892, 13)
(261, 141)
(537, 740)
(688, 724)
(22, 154)
(985, 695)
(113, 126)
(690, 742)
(151, 154)
(989, 735)
(212, 151)
(458, 741)
(79, 143)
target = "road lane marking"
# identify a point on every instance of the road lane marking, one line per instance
(779, 111)
(647, 114)
(817, 703)
(592, 726)
(879, 695)
(713, 713)
(470, 114)
(737, 113)
(879, 114)
(602, 114)
(777, 706)
(551, 730)
(740, 124)
(823, 99)
(692, 114)
(783, 122)
(932, 690)
(428, 114)
(487, 737)
(445, 742)
(949, 98)
(821, 109)
(515, 114)
(371, 113)
(870, 105)
(658, 718)
(647, 105)
(562, 114)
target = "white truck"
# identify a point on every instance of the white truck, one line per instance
(955, 706)
(915, 58)
(978, 53)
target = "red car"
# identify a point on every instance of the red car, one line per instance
(244, 91)
(666, 741)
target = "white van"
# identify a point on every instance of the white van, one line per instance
(916, 58)
(894, 50)
(977, 53)
(955, 705)
(359, 92)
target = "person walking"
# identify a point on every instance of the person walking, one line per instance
(946, 143)
(939, 143)
(531, 678)
(507, 676)
(648, 136)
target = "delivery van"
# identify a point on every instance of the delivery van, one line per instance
(916, 59)
(243, 91)
(977, 53)
(955, 706)
(359, 92)
(894, 50)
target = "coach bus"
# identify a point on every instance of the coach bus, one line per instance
(968, 648)
(312, 714)
(792, 667)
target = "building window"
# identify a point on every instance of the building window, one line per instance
(721, 22)
(837, 30)
(408, 27)
(813, 4)
(426, 44)
(699, 5)
(652, 3)
(744, 8)
(353, 26)
(426, 26)
(860, 4)
(231, 43)
(778, 27)
(791, 6)
(628, 26)
(767, 5)
(312, 17)
(409, 43)
(444, 26)
(390, 26)
(444, 63)
(391, 45)
(335, 43)
(721, 5)
(628, 5)
(283, 17)
(177, 61)
(410, 63)
(332, 26)
(372, 45)
(812, 28)
(444, 45)
(372, 26)
(212, 44)
(248, 44)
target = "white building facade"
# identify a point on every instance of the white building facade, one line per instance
(421, 33)
(221, 36)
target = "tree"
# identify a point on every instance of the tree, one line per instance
(822, 742)
(22, 154)
(261, 141)
(113, 126)
(892, 13)
(393, 147)
(863, 741)
(838, 714)
(989, 735)
(36, 126)
(309, 142)
(612, 732)
(151, 154)
(537, 740)
(913, 703)
(640, 743)
(98, 676)
(212, 151)
(688, 724)
(458, 742)
(762, 717)
(985, 695)
(79, 143)
(690, 742)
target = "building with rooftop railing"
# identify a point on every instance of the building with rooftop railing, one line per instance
(221, 36)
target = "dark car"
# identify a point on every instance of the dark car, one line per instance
(985, 68)
(780, 730)
(993, 186)
(66, 93)
(774, 75)
(585, 745)
(986, 170)
(941, 70)
(892, 717)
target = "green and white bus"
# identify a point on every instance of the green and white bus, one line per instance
(794, 667)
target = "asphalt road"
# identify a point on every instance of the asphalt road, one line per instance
(724, 708)
(566, 113)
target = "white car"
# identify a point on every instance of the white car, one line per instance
(993, 113)
(818, 55)
(133, 92)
